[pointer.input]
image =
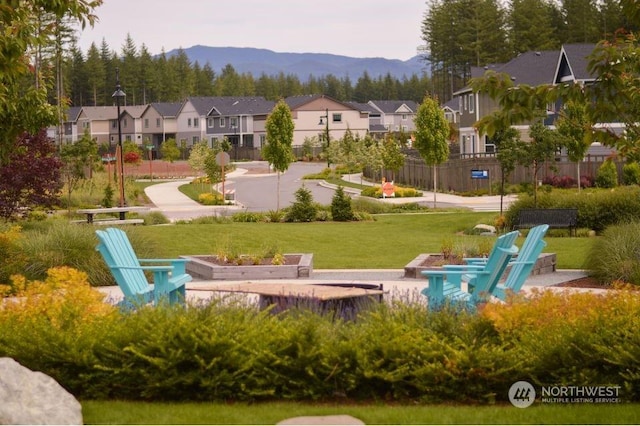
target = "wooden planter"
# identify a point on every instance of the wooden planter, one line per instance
(545, 264)
(199, 268)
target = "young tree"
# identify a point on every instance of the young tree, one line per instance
(392, 156)
(278, 150)
(169, 150)
(508, 146)
(76, 157)
(541, 148)
(573, 129)
(432, 134)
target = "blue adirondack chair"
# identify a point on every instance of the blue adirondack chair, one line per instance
(520, 267)
(169, 279)
(445, 284)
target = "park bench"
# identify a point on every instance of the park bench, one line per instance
(555, 218)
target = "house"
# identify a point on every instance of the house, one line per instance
(376, 123)
(159, 122)
(70, 131)
(319, 115)
(568, 65)
(191, 120)
(101, 122)
(131, 124)
(396, 116)
(241, 120)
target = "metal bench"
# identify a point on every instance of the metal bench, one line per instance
(555, 218)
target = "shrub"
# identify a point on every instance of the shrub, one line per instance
(210, 199)
(12, 259)
(303, 209)
(341, 206)
(631, 174)
(246, 216)
(616, 256)
(607, 176)
(155, 218)
(559, 181)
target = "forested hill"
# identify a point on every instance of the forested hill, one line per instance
(262, 61)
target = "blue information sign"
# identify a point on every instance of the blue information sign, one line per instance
(479, 174)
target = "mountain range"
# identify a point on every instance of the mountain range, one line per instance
(303, 65)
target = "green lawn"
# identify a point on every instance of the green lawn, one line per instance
(389, 242)
(116, 412)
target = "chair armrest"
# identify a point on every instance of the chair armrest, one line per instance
(179, 265)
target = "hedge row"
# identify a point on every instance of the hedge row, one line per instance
(227, 350)
(597, 209)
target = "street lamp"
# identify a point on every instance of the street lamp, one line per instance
(119, 95)
(325, 146)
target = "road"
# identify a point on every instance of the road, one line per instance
(258, 192)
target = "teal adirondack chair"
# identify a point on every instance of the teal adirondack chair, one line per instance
(169, 279)
(445, 284)
(522, 265)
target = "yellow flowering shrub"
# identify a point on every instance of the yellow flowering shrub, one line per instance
(12, 259)
(209, 199)
(549, 310)
(65, 298)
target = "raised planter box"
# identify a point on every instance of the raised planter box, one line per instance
(198, 267)
(545, 264)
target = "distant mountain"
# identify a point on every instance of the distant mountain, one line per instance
(303, 65)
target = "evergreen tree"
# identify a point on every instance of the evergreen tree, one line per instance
(531, 26)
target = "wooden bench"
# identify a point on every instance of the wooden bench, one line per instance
(555, 218)
(119, 211)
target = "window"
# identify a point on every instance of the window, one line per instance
(337, 118)
(124, 122)
(114, 124)
(128, 138)
(490, 148)
(195, 140)
(85, 125)
(196, 122)
(222, 123)
(233, 122)
(404, 117)
(146, 123)
(466, 102)
(471, 103)
(210, 122)
(188, 122)
(157, 122)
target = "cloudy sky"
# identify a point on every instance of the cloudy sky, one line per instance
(358, 28)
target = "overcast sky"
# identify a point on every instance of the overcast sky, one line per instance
(360, 28)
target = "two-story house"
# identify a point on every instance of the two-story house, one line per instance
(69, 128)
(192, 120)
(320, 116)
(241, 120)
(568, 65)
(131, 124)
(159, 122)
(101, 122)
(396, 116)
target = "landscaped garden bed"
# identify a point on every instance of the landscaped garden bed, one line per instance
(209, 267)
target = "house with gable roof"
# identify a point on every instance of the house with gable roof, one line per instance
(70, 131)
(239, 119)
(314, 114)
(101, 122)
(131, 124)
(192, 120)
(568, 65)
(159, 122)
(396, 116)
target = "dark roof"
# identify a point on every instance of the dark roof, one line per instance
(453, 104)
(391, 107)
(574, 61)
(364, 108)
(378, 128)
(73, 113)
(241, 105)
(167, 109)
(532, 68)
(202, 104)
(297, 101)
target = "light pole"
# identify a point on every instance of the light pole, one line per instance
(325, 145)
(119, 95)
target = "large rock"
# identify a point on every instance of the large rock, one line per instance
(32, 397)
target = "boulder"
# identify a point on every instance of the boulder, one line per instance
(32, 397)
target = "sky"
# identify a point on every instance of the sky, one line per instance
(359, 28)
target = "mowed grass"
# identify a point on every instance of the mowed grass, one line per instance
(389, 242)
(117, 412)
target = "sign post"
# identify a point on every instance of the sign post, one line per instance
(150, 149)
